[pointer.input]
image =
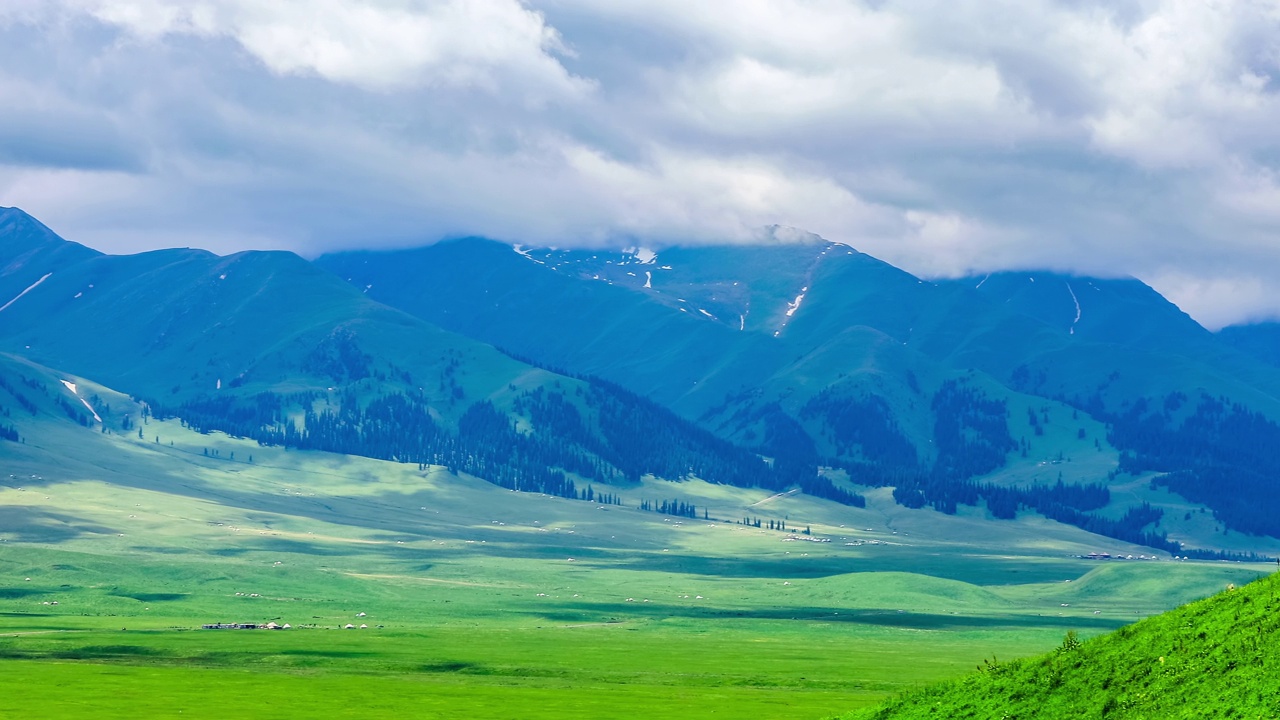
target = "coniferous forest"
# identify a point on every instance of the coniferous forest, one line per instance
(599, 433)
(551, 441)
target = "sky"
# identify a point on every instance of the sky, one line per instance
(1116, 137)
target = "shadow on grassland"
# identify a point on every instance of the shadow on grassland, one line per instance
(879, 617)
(160, 550)
(981, 571)
(20, 593)
(40, 526)
(151, 597)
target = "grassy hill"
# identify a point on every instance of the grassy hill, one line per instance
(1213, 658)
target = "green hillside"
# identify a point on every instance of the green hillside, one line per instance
(267, 346)
(1262, 340)
(841, 360)
(548, 309)
(1214, 658)
(842, 375)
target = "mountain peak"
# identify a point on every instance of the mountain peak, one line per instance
(15, 221)
(20, 233)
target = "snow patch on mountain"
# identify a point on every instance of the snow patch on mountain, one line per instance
(526, 253)
(33, 286)
(1075, 300)
(72, 387)
(794, 305)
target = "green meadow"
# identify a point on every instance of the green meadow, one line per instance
(481, 602)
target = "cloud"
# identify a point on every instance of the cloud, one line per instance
(1128, 137)
(1217, 300)
(499, 45)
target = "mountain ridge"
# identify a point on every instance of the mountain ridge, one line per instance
(842, 372)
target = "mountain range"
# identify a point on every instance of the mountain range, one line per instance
(798, 364)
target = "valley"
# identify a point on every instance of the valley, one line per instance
(479, 599)
(478, 480)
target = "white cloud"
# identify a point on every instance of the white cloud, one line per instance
(376, 44)
(1217, 301)
(1184, 86)
(1127, 136)
(678, 196)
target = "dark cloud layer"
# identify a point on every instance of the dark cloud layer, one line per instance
(1136, 137)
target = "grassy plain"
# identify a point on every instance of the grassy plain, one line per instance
(481, 602)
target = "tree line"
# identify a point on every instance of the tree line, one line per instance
(599, 433)
(1215, 452)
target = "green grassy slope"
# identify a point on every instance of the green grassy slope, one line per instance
(180, 323)
(486, 290)
(1216, 657)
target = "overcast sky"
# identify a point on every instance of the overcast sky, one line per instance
(960, 136)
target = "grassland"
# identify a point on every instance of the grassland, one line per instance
(481, 602)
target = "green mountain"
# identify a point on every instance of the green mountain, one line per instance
(817, 353)
(802, 365)
(266, 345)
(29, 251)
(1262, 340)
(1209, 659)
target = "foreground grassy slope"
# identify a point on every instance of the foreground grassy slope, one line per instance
(1213, 658)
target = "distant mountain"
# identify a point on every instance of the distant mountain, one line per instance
(266, 345)
(29, 251)
(803, 364)
(1211, 658)
(1261, 340)
(815, 349)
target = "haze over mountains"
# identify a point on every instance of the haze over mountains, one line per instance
(804, 365)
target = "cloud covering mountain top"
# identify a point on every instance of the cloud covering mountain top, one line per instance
(1134, 137)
